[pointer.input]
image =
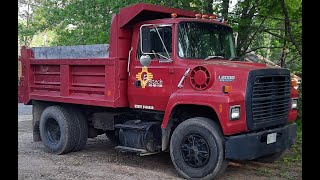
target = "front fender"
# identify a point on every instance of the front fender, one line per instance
(219, 102)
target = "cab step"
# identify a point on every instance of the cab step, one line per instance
(140, 152)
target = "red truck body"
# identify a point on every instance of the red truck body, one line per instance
(110, 81)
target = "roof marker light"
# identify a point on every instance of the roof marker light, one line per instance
(198, 16)
(205, 16)
(213, 17)
(174, 15)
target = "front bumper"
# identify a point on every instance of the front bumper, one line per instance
(254, 145)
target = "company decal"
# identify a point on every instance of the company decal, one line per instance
(144, 76)
(155, 83)
(226, 78)
(143, 106)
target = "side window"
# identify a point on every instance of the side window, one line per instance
(156, 44)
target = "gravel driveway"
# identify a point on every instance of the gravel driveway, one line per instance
(99, 160)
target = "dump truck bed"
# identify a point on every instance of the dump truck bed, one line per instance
(74, 74)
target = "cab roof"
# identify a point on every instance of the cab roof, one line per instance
(143, 12)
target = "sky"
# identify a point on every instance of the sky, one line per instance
(232, 5)
(22, 8)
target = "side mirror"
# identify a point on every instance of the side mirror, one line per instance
(145, 60)
(145, 39)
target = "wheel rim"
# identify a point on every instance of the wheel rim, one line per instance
(195, 150)
(53, 131)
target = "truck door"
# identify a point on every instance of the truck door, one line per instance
(150, 86)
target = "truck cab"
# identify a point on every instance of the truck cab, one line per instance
(170, 82)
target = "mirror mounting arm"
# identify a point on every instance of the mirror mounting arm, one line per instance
(165, 48)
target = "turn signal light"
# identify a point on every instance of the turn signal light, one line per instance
(293, 83)
(226, 89)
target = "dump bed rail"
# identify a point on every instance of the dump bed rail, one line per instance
(72, 52)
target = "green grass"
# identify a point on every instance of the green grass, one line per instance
(263, 172)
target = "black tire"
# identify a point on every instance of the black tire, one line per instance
(82, 130)
(211, 139)
(269, 158)
(113, 136)
(58, 130)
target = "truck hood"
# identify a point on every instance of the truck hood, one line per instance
(225, 72)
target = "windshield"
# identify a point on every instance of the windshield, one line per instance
(197, 40)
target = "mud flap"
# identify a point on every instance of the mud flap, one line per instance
(37, 109)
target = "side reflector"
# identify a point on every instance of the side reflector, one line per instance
(109, 93)
(226, 89)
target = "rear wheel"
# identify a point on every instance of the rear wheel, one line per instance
(197, 149)
(81, 122)
(58, 130)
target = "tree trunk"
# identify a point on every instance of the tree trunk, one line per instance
(225, 8)
(288, 27)
(206, 6)
(247, 14)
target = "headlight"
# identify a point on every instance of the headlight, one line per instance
(235, 112)
(294, 103)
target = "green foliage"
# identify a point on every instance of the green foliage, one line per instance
(77, 22)
(260, 23)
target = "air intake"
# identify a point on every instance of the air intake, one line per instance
(200, 78)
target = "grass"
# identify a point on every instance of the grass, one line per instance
(263, 172)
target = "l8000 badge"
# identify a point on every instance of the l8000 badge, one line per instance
(226, 78)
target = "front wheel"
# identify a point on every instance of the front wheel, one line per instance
(197, 149)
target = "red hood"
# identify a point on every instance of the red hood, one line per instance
(225, 68)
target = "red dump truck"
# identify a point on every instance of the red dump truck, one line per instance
(169, 81)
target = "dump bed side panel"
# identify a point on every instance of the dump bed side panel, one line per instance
(90, 81)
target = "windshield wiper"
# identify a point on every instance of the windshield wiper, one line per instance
(210, 57)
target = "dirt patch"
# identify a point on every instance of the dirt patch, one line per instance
(99, 160)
